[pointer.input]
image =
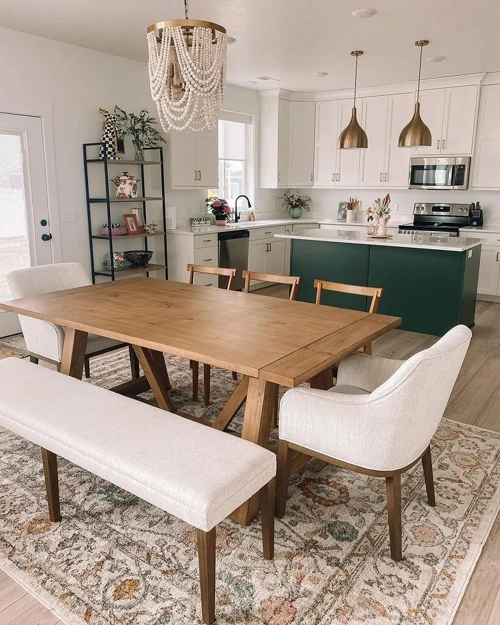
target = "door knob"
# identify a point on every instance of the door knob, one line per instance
(46, 237)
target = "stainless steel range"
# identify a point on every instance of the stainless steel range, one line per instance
(445, 219)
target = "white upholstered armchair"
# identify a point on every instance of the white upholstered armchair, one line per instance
(43, 339)
(378, 420)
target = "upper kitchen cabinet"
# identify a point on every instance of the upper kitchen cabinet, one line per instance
(334, 167)
(194, 159)
(301, 146)
(486, 161)
(274, 141)
(451, 115)
(384, 163)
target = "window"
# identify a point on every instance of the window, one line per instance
(236, 175)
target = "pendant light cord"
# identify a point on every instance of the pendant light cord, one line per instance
(355, 81)
(419, 74)
(186, 8)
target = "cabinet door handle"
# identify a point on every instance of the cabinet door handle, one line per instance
(385, 177)
(333, 177)
(207, 260)
(338, 177)
(497, 256)
(439, 141)
(199, 174)
(312, 177)
(268, 232)
(279, 177)
(381, 176)
(195, 175)
(209, 284)
(443, 144)
(207, 240)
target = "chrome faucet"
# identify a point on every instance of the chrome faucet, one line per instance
(236, 216)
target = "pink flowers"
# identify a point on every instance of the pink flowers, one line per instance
(216, 204)
(226, 210)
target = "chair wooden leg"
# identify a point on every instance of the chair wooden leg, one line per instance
(134, 363)
(393, 488)
(267, 520)
(282, 478)
(34, 360)
(429, 476)
(195, 367)
(235, 375)
(206, 559)
(274, 415)
(86, 366)
(51, 484)
(206, 385)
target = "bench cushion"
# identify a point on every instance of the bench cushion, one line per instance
(198, 474)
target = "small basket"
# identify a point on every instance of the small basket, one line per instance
(114, 231)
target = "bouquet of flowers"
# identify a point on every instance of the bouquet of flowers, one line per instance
(219, 207)
(381, 210)
(292, 199)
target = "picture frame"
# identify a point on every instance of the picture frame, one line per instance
(342, 212)
(131, 223)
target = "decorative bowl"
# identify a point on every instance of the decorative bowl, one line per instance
(118, 260)
(138, 258)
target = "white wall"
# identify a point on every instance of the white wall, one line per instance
(75, 81)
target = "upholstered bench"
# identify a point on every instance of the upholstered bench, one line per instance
(191, 471)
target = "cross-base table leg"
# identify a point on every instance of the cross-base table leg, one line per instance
(73, 355)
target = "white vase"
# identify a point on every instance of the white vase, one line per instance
(381, 229)
(350, 215)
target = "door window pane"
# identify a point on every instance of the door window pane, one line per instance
(14, 245)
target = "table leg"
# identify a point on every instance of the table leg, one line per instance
(261, 399)
(155, 370)
(323, 380)
(233, 405)
(73, 354)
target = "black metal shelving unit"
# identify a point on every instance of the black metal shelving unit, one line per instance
(110, 202)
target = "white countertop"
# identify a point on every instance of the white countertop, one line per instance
(415, 241)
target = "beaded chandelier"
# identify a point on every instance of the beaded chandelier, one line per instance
(187, 72)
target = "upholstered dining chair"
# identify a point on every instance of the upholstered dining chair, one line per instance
(379, 420)
(195, 366)
(352, 289)
(44, 340)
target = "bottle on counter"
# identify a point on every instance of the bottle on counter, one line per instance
(251, 217)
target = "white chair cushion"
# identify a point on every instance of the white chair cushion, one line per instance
(198, 474)
(345, 389)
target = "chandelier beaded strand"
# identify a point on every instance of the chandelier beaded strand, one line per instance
(187, 72)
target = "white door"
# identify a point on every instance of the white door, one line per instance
(25, 238)
(327, 136)
(459, 120)
(348, 160)
(489, 270)
(431, 112)
(374, 121)
(301, 148)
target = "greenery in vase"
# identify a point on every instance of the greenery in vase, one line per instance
(381, 210)
(293, 199)
(141, 128)
(218, 206)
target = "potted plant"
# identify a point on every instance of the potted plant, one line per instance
(380, 212)
(220, 209)
(294, 203)
(141, 128)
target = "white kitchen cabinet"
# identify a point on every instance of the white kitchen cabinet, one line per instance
(265, 253)
(489, 271)
(334, 167)
(274, 141)
(194, 159)
(257, 251)
(301, 145)
(450, 115)
(200, 249)
(397, 160)
(275, 257)
(486, 161)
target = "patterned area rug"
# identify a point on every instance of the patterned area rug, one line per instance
(12, 346)
(115, 560)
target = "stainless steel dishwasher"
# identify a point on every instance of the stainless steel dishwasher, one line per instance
(233, 253)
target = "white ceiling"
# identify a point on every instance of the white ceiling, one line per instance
(288, 39)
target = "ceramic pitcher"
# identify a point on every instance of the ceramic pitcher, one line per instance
(126, 186)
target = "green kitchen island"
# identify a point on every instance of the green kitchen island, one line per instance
(428, 280)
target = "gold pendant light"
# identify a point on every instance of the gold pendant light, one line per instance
(353, 136)
(416, 133)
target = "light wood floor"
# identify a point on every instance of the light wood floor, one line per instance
(475, 400)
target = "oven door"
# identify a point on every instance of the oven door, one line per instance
(431, 173)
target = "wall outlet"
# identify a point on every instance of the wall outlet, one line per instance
(395, 207)
(68, 218)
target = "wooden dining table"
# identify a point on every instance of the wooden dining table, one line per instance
(270, 341)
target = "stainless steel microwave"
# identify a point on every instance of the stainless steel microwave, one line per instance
(440, 173)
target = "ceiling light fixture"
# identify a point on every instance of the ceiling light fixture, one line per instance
(353, 136)
(187, 72)
(364, 13)
(250, 83)
(436, 59)
(231, 40)
(416, 133)
(320, 74)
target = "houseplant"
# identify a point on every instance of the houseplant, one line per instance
(220, 209)
(141, 128)
(380, 212)
(294, 203)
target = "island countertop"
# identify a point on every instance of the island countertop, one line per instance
(415, 241)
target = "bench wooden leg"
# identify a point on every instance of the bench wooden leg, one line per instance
(86, 367)
(195, 366)
(206, 559)
(267, 519)
(34, 360)
(134, 363)
(282, 477)
(51, 484)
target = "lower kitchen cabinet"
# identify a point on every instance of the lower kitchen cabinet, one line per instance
(200, 249)
(267, 256)
(489, 271)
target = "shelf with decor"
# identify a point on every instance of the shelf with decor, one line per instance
(101, 171)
